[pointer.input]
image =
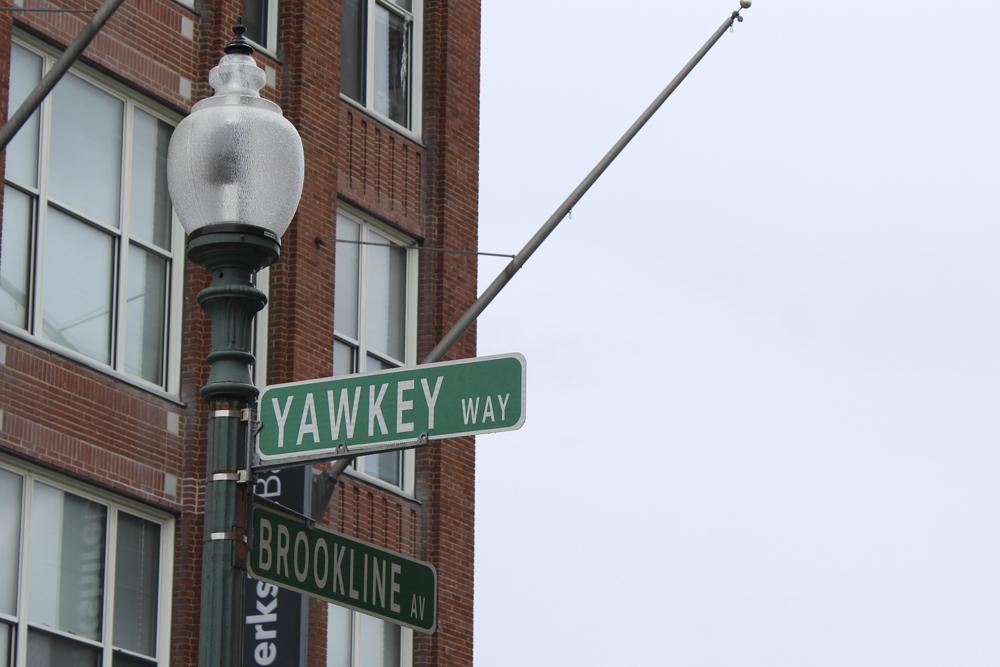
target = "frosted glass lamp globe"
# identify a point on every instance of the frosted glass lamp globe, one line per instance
(235, 159)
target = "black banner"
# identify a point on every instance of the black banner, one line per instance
(275, 630)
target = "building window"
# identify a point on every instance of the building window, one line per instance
(354, 639)
(84, 580)
(90, 260)
(261, 20)
(374, 317)
(380, 58)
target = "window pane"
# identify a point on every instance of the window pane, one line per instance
(86, 154)
(345, 298)
(6, 643)
(150, 199)
(66, 568)
(255, 20)
(379, 642)
(386, 466)
(50, 651)
(14, 253)
(137, 572)
(352, 50)
(338, 636)
(78, 271)
(145, 300)
(10, 542)
(343, 358)
(405, 4)
(386, 303)
(392, 65)
(124, 660)
(22, 151)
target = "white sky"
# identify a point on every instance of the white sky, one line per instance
(763, 362)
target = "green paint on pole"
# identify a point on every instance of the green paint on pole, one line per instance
(310, 420)
(287, 552)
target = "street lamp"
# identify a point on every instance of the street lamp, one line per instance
(234, 170)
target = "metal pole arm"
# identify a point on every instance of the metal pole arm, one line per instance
(532, 245)
(51, 78)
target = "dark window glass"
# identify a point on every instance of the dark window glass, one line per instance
(352, 50)
(255, 20)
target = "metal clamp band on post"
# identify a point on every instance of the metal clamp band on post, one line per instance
(231, 535)
(226, 476)
(226, 414)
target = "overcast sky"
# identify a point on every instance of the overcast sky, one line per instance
(763, 371)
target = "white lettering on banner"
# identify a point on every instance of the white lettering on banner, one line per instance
(267, 487)
(265, 652)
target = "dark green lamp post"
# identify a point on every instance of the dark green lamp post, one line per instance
(235, 170)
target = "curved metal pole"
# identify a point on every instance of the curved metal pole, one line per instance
(532, 245)
(49, 81)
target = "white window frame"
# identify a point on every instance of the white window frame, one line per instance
(416, 17)
(31, 474)
(405, 639)
(366, 223)
(122, 236)
(270, 46)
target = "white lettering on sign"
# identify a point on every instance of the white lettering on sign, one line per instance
(327, 568)
(282, 417)
(264, 539)
(431, 398)
(417, 607)
(394, 571)
(375, 409)
(307, 425)
(402, 406)
(343, 413)
(472, 415)
(344, 405)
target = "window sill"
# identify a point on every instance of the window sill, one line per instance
(383, 485)
(83, 360)
(387, 122)
(271, 54)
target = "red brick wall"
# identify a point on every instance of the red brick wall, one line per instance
(93, 426)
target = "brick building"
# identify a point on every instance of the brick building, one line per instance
(102, 342)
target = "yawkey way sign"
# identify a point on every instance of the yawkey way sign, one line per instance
(320, 419)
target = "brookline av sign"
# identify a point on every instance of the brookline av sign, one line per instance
(330, 417)
(287, 551)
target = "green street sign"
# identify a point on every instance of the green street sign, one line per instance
(287, 552)
(330, 417)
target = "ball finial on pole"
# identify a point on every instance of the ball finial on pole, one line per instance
(745, 4)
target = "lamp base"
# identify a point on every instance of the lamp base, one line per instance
(233, 254)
